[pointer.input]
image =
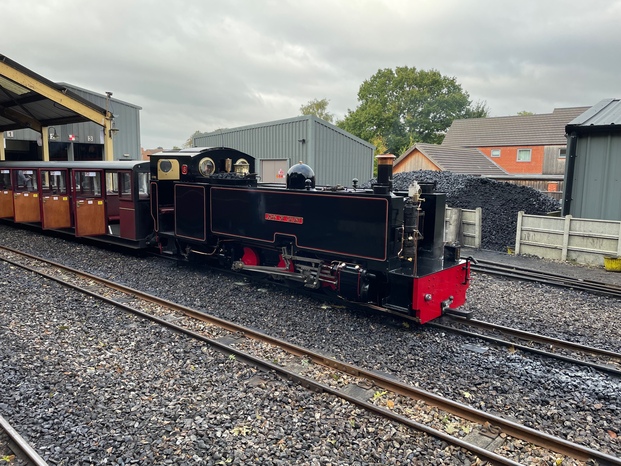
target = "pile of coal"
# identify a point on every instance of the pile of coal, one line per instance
(500, 201)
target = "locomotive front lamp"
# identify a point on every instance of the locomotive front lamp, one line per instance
(206, 166)
(242, 166)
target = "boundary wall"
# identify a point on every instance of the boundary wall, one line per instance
(584, 241)
(463, 226)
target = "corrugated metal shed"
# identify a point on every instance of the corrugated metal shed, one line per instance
(603, 114)
(593, 169)
(126, 120)
(543, 129)
(335, 155)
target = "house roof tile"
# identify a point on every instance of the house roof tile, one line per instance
(519, 130)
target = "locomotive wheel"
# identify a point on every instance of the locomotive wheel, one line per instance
(250, 257)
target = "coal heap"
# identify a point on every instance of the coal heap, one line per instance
(500, 201)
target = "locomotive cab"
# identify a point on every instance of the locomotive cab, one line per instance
(181, 194)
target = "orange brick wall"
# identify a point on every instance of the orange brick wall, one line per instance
(508, 159)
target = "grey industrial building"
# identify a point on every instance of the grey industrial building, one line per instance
(81, 141)
(336, 156)
(593, 168)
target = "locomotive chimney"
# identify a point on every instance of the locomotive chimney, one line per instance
(384, 174)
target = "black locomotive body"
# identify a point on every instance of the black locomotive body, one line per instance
(371, 246)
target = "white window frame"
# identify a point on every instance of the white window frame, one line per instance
(562, 153)
(530, 153)
(495, 153)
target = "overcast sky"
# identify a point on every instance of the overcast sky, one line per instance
(205, 64)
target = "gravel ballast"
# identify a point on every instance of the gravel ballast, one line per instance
(574, 403)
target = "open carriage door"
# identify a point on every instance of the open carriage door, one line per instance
(55, 208)
(88, 202)
(127, 205)
(6, 194)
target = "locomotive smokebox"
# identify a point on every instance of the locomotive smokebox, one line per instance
(384, 174)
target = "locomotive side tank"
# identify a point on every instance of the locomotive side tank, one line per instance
(372, 246)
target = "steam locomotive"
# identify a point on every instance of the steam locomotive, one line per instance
(375, 246)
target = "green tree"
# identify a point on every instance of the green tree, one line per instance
(524, 113)
(405, 105)
(319, 108)
(380, 148)
(190, 141)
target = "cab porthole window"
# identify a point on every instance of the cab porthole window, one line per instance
(165, 166)
(206, 166)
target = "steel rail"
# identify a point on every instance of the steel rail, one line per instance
(518, 268)
(511, 428)
(543, 339)
(529, 349)
(522, 273)
(19, 446)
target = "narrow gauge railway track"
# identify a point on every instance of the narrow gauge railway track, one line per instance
(399, 402)
(18, 446)
(596, 358)
(523, 273)
(605, 360)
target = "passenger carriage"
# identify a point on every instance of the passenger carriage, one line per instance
(86, 199)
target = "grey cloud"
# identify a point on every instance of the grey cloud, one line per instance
(204, 65)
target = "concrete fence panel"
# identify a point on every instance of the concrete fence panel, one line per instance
(585, 241)
(463, 226)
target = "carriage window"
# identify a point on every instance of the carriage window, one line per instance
(53, 181)
(143, 185)
(125, 185)
(112, 182)
(26, 180)
(88, 184)
(5, 179)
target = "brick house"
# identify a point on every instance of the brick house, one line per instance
(521, 144)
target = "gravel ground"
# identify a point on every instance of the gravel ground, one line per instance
(574, 403)
(90, 384)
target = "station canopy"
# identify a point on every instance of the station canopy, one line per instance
(28, 100)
